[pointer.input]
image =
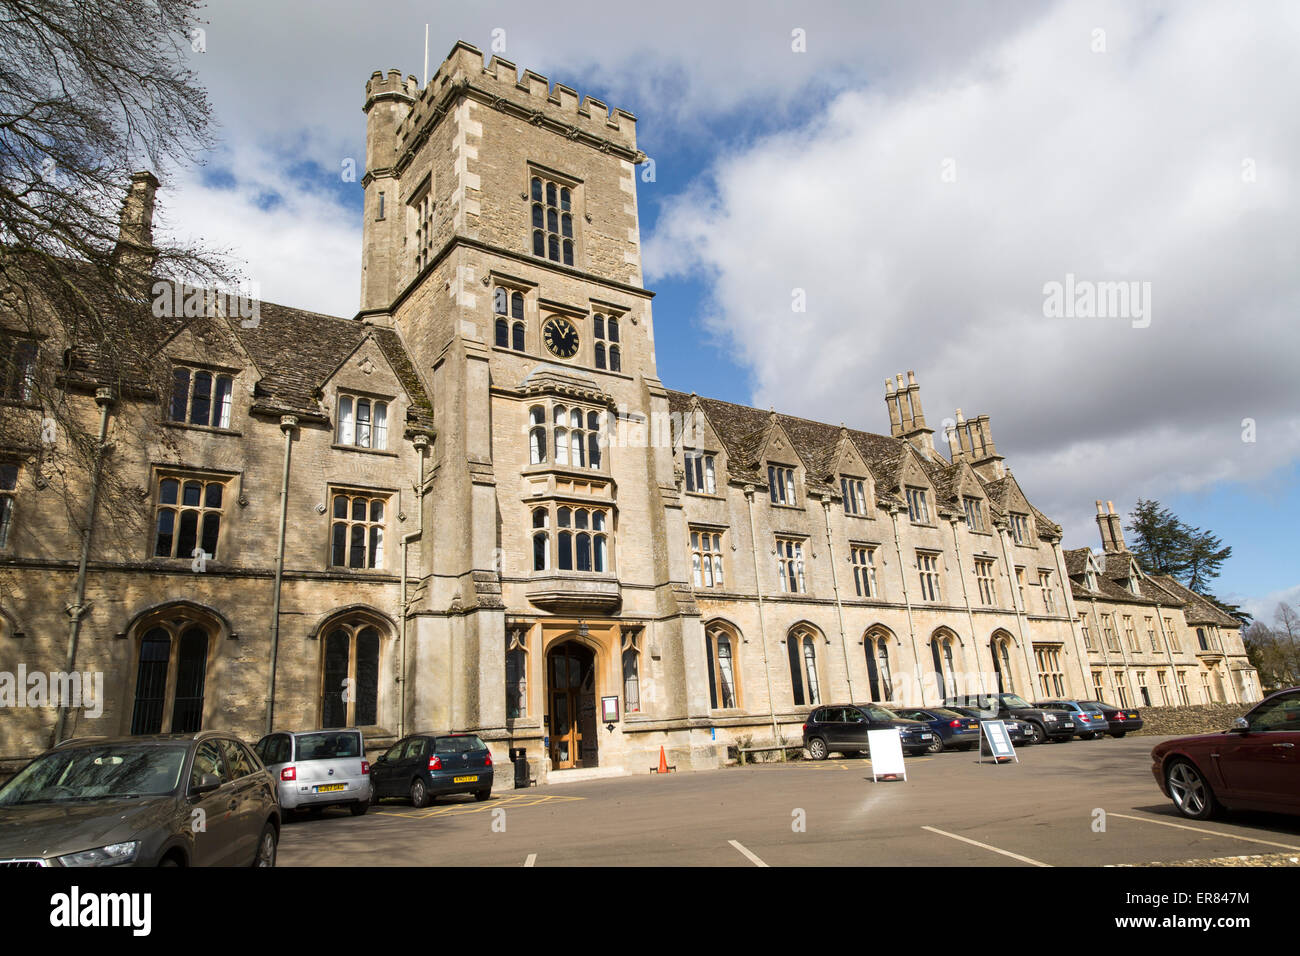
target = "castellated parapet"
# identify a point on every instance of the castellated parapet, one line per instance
(499, 84)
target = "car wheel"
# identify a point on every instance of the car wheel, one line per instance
(419, 793)
(1190, 790)
(1037, 734)
(360, 807)
(374, 795)
(817, 749)
(936, 746)
(266, 847)
(1087, 736)
(481, 795)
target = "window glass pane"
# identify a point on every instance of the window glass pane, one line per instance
(600, 355)
(166, 525)
(550, 194)
(192, 494)
(565, 198)
(499, 298)
(518, 342)
(517, 305)
(537, 189)
(180, 394)
(598, 326)
(539, 242)
(552, 221)
(376, 510)
(191, 672)
(224, 391)
(376, 547)
(566, 551)
(187, 538)
(357, 551)
(503, 334)
(151, 682)
(553, 248)
(345, 420)
(613, 329)
(168, 491)
(380, 426)
(367, 678)
(615, 360)
(211, 531)
(334, 710)
(540, 548)
(363, 423)
(212, 495)
(339, 558)
(358, 509)
(566, 225)
(568, 252)
(563, 517)
(599, 564)
(201, 404)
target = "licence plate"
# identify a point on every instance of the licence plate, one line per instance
(464, 780)
(330, 788)
(926, 736)
(1132, 716)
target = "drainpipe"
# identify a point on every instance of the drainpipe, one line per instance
(762, 627)
(835, 585)
(1022, 610)
(907, 600)
(1067, 596)
(421, 442)
(104, 399)
(288, 425)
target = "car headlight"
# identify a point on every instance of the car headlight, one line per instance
(115, 854)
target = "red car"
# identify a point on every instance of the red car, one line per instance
(1253, 766)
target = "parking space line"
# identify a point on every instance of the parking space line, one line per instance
(752, 859)
(1219, 833)
(456, 809)
(532, 858)
(985, 846)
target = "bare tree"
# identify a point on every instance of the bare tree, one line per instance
(92, 92)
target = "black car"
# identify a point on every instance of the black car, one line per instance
(1044, 724)
(842, 728)
(1122, 720)
(428, 765)
(1018, 730)
(161, 800)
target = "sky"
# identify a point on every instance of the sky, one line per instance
(925, 179)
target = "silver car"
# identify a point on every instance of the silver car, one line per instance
(315, 769)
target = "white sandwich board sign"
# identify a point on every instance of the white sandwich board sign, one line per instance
(886, 750)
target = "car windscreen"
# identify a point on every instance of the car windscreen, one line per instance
(879, 713)
(946, 714)
(1014, 700)
(328, 746)
(97, 773)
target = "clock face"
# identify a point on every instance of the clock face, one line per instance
(560, 337)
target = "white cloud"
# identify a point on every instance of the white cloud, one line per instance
(1123, 165)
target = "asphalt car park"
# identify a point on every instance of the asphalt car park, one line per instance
(1092, 803)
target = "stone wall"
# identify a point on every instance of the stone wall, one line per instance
(1196, 719)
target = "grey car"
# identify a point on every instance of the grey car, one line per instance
(315, 769)
(1089, 721)
(199, 799)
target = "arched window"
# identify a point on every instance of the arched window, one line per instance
(503, 334)
(171, 676)
(560, 415)
(720, 645)
(564, 521)
(801, 644)
(593, 439)
(517, 337)
(615, 359)
(1002, 664)
(537, 435)
(517, 673)
(350, 675)
(878, 671)
(945, 671)
(516, 305)
(541, 540)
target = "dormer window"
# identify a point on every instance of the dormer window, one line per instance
(974, 513)
(363, 422)
(200, 397)
(700, 476)
(508, 307)
(1019, 527)
(780, 484)
(1090, 578)
(918, 506)
(854, 491)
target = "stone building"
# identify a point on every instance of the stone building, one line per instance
(473, 505)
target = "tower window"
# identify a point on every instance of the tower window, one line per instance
(508, 307)
(552, 220)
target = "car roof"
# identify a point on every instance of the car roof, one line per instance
(146, 739)
(323, 730)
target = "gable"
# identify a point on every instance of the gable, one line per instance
(366, 370)
(204, 342)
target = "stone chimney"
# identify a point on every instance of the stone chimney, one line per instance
(906, 418)
(971, 440)
(135, 251)
(1112, 529)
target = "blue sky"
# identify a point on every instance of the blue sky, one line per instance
(1135, 141)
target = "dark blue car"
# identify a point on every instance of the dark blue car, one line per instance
(951, 729)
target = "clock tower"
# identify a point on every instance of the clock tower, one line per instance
(501, 241)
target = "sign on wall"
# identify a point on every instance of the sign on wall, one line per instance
(885, 748)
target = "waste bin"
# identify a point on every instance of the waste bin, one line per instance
(519, 757)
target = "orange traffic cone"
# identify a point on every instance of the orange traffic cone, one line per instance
(663, 761)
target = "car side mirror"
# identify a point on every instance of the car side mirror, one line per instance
(1240, 725)
(207, 783)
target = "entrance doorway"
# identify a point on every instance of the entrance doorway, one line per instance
(571, 697)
